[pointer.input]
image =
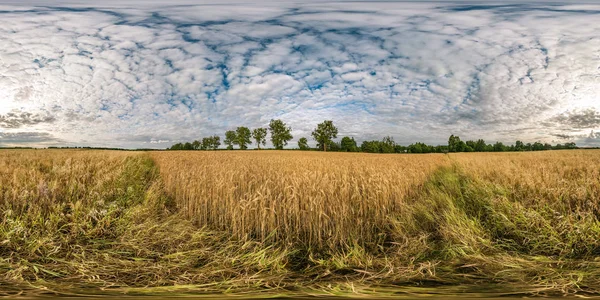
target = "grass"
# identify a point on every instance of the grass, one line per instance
(296, 223)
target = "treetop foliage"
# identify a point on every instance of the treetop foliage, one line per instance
(325, 133)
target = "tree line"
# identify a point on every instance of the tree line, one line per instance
(325, 133)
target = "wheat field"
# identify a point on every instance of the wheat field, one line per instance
(311, 198)
(88, 222)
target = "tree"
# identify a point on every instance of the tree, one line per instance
(178, 146)
(188, 146)
(280, 133)
(416, 148)
(454, 143)
(479, 145)
(260, 136)
(324, 133)
(400, 149)
(471, 145)
(215, 142)
(387, 145)
(303, 144)
(519, 146)
(205, 144)
(333, 146)
(211, 142)
(230, 138)
(499, 147)
(243, 137)
(196, 145)
(348, 145)
(370, 146)
(537, 146)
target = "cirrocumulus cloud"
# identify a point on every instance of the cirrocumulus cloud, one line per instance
(148, 75)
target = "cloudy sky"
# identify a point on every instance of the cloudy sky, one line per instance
(127, 74)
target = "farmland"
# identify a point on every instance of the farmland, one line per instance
(94, 222)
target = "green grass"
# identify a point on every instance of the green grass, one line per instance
(456, 233)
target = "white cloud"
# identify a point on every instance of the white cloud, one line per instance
(135, 74)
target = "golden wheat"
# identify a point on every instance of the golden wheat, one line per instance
(309, 198)
(567, 180)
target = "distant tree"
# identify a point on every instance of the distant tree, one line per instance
(471, 144)
(243, 137)
(333, 146)
(519, 146)
(303, 144)
(387, 145)
(211, 143)
(178, 146)
(215, 142)
(370, 146)
(188, 146)
(196, 145)
(280, 133)
(230, 138)
(415, 148)
(454, 143)
(260, 136)
(348, 144)
(324, 133)
(479, 145)
(400, 149)
(204, 145)
(537, 146)
(499, 147)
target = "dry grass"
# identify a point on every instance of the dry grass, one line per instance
(296, 222)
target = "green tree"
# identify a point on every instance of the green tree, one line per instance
(519, 146)
(211, 142)
(454, 143)
(260, 136)
(479, 145)
(243, 137)
(537, 146)
(471, 144)
(348, 145)
(499, 147)
(205, 145)
(324, 133)
(303, 144)
(215, 142)
(178, 146)
(196, 145)
(416, 148)
(370, 146)
(400, 149)
(230, 138)
(387, 145)
(280, 133)
(333, 146)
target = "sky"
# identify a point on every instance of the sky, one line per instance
(148, 74)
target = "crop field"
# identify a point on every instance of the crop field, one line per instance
(80, 222)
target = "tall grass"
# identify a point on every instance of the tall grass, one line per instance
(101, 221)
(308, 199)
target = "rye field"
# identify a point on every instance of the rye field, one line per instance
(81, 222)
